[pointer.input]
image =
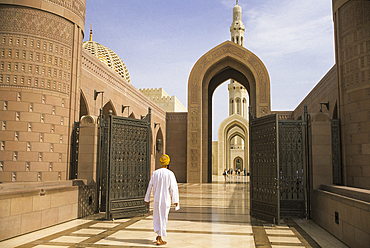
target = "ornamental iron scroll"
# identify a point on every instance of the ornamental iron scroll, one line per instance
(264, 166)
(75, 137)
(129, 166)
(292, 168)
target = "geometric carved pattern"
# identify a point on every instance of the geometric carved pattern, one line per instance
(129, 166)
(336, 159)
(36, 22)
(37, 46)
(76, 6)
(278, 168)
(264, 168)
(354, 25)
(292, 162)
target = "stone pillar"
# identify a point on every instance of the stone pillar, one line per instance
(88, 148)
(321, 171)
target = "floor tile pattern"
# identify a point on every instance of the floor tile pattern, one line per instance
(211, 215)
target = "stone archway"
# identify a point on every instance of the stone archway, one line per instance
(224, 134)
(236, 166)
(226, 61)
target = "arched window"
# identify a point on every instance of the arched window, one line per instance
(238, 106)
(83, 105)
(244, 111)
(231, 107)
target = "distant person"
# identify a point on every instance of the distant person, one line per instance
(231, 171)
(225, 174)
(164, 185)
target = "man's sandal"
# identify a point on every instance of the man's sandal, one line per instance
(161, 242)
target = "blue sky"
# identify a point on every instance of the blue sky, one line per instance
(161, 40)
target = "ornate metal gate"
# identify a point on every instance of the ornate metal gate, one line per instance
(128, 169)
(264, 168)
(75, 137)
(278, 168)
(292, 168)
(335, 149)
(103, 160)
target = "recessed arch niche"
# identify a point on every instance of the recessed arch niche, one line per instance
(226, 61)
(109, 106)
(84, 110)
(158, 147)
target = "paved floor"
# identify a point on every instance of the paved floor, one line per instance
(211, 215)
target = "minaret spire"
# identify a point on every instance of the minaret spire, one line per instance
(237, 27)
(237, 93)
(91, 33)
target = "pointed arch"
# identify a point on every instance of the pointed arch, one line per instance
(234, 125)
(335, 111)
(238, 106)
(226, 61)
(107, 107)
(159, 144)
(84, 110)
(132, 115)
(241, 164)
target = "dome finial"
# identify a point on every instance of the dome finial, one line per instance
(237, 2)
(91, 33)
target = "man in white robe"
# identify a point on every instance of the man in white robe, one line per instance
(164, 185)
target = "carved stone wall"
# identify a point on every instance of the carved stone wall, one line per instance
(37, 75)
(352, 25)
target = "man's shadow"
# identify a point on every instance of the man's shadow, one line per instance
(135, 241)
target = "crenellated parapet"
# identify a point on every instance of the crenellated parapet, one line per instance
(162, 99)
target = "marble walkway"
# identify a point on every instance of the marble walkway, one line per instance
(211, 215)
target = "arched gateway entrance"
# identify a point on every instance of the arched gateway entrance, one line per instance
(226, 61)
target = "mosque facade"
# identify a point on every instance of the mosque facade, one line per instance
(52, 84)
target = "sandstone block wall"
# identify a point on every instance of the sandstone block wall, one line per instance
(344, 212)
(26, 207)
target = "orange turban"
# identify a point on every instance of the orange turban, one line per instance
(164, 160)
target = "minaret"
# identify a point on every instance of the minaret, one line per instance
(237, 27)
(237, 93)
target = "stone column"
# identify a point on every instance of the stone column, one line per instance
(88, 148)
(321, 171)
